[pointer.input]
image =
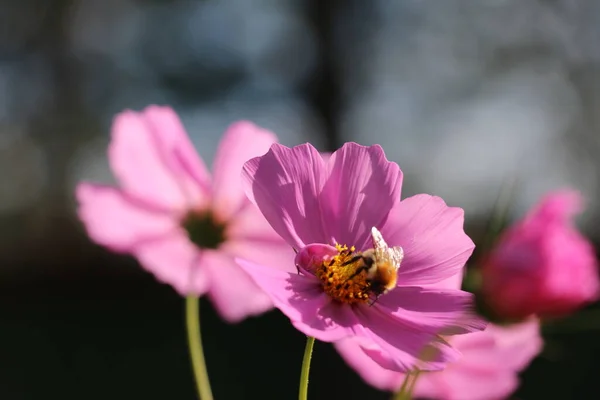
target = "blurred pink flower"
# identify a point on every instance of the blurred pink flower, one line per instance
(488, 369)
(542, 265)
(182, 226)
(314, 204)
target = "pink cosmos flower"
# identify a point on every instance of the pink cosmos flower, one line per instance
(316, 203)
(182, 226)
(489, 367)
(542, 265)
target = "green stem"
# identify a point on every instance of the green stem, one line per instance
(411, 386)
(303, 391)
(192, 317)
(406, 390)
(401, 394)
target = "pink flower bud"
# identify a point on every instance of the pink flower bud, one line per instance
(542, 265)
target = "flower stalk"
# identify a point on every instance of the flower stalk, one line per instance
(303, 391)
(412, 384)
(401, 394)
(192, 313)
(408, 386)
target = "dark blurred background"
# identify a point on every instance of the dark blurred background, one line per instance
(463, 94)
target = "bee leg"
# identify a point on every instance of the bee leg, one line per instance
(374, 301)
(297, 267)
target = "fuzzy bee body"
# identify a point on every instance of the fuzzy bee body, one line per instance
(381, 275)
(381, 264)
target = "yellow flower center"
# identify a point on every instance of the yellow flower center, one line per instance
(344, 276)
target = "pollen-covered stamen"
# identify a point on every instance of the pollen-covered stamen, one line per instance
(344, 276)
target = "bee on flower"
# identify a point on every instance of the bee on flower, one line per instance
(352, 276)
(366, 259)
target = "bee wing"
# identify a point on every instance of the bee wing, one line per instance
(378, 242)
(392, 255)
(396, 255)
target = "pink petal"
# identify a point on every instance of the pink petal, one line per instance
(285, 184)
(431, 386)
(242, 141)
(490, 364)
(301, 298)
(312, 256)
(558, 206)
(176, 261)
(154, 159)
(270, 253)
(376, 353)
(452, 282)
(432, 236)
(466, 385)
(118, 221)
(331, 322)
(233, 293)
(374, 374)
(436, 311)
(251, 237)
(487, 369)
(409, 348)
(326, 155)
(523, 341)
(512, 346)
(362, 188)
(179, 152)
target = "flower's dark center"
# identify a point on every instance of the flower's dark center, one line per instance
(203, 230)
(344, 276)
